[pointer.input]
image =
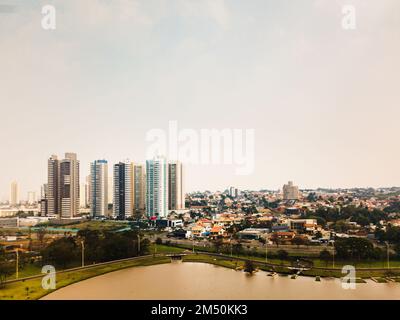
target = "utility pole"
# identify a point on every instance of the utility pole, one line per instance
(230, 242)
(333, 243)
(83, 253)
(17, 263)
(193, 245)
(138, 237)
(266, 250)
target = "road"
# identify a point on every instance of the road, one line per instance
(255, 245)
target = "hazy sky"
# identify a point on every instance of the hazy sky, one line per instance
(324, 101)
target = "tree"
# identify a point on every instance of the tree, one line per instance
(217, 244)
(6, 268)
(61, 252)
(282, 255)
(326, 256)
(276, 241)
(237, 248)
(298, 241)
(144, 246)
(249, 266)
(93, 244)
(340, 226)
(318, 235)
(119, 245)
(40, 235)
(354, 248)
(158, 240)
(392, 234)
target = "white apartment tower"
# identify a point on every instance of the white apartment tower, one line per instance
(157, 187)
(13, 193)
(31, 197)
(290, 191)
(99, 188)
(53, 186)
(111, 189)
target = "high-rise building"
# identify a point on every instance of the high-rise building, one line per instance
(111, 189)
(43, 191)
(139, 187)
(43, 200)
(99, 188)
(233, 192)
(123, 190)
(82, 196)
(290, 191)
(31, 197)
(157, 187)
(69, 186)
(176, 196)
(53, 186)
(88, 191)
(13, 193)
(85, 193)
(43, 207)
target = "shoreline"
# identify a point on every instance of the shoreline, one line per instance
(30, 288)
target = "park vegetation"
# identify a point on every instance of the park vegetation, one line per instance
(99, 246)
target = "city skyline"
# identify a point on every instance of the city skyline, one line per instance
(323, 104)
(86, 183)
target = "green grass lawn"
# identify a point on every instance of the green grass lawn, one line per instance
(232, 264)
(32, 289)
(161, 248)
(95, 225)
(30, 269)
(356, 264)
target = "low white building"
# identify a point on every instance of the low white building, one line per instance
(32, 221)
(9, 222)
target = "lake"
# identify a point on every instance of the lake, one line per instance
(190, 280)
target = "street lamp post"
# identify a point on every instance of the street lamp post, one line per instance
(193, 245)
(266, 251)
(83, 253)
(138, 237)
(387, 255)
(333, 255)
(230, 242)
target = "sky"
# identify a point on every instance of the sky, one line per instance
(323, 101)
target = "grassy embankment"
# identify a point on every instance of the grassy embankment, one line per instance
(302, 253)
(32, 289)
(326, 267)
(32, 269)
(93, 225)
(379, 275)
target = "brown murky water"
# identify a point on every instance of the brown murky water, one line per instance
(203, 281)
